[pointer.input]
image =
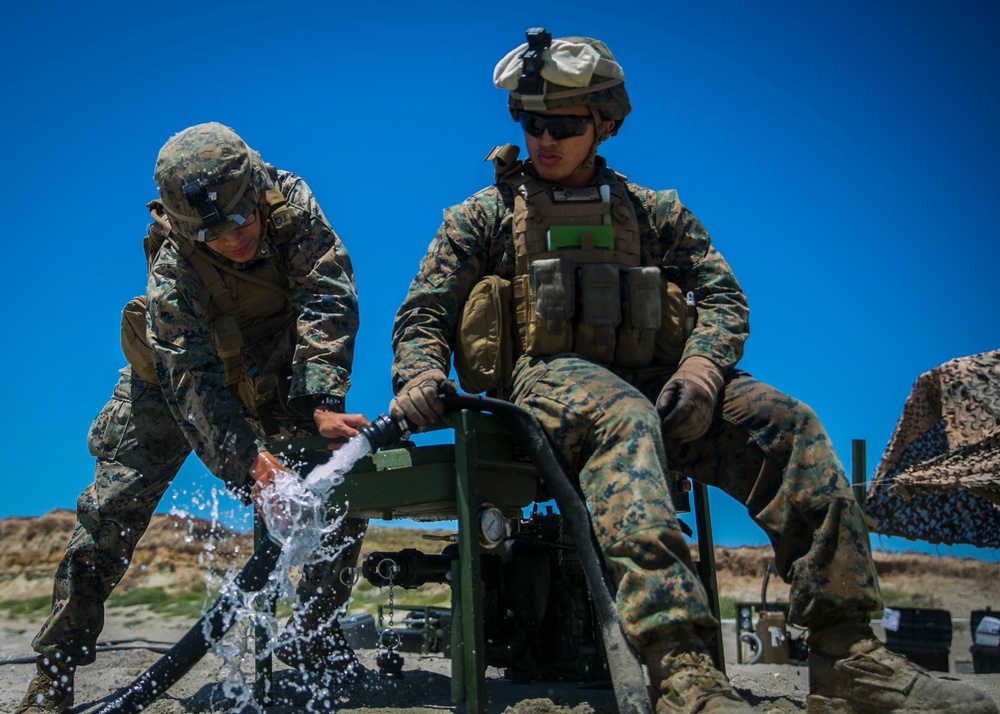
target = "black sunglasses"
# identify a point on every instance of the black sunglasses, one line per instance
(559, 126)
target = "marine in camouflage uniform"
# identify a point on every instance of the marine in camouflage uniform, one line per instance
(617, 428)
(295, 359)
(142, 436)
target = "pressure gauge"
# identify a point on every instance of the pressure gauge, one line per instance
(492, 526)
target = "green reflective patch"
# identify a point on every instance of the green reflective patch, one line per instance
(580, 237)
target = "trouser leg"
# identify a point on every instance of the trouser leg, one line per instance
(325, 587)
(609, 433)
(139, 450)
(770, 452)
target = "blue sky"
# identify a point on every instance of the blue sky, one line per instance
(842, 155)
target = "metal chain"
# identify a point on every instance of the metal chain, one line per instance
(390, 638)
(392, 611)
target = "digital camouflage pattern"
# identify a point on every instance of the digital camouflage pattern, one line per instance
(476, 239)
(764, 448)
(139, 449)
(227, 435)
(770, 452)
(140, 446)
(231, 169)
(939, 478)
(609, 433)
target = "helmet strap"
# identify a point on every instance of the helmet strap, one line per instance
(599, 135)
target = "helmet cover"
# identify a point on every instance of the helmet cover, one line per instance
(210, 181)
(575, 71)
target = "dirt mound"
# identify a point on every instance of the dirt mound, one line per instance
(173, 553)
(907, 579)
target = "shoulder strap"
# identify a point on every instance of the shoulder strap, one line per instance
(504, 160)
(279, 214)
(156, 232)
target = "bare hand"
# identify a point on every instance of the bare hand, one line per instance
(337, 425)
(263, 472)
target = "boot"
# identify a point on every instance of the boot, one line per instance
(316, 645)
(50, 690)
(851, 672)
(685, 681)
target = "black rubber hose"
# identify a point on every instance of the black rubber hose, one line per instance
(215, 623)
(626, 670)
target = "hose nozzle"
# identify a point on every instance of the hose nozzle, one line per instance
(384, 432)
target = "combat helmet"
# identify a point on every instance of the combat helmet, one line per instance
(209, 181)
(544, 74)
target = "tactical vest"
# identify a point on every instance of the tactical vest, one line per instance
(252, 316)
(578, 286)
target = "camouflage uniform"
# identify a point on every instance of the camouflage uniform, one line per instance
(763, 448)
(227, 434)
(616, 426)
(139, 449)
(139, 445)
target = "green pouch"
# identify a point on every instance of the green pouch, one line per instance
(641, 317)
(600, 312)
(550, 305)
(586, 237)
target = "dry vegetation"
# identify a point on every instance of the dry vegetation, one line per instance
(173, 556)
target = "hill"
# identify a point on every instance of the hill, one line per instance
(176, 554)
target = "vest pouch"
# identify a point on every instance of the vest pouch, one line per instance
(550, 306)
(642, 315)
(673, 332)
(600, 312)
(229, 347)
(134, 345)
(483, 350)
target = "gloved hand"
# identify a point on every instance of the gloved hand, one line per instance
(687, 400)
(418, 400)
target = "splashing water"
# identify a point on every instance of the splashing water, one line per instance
(295, 508)
(297, 515)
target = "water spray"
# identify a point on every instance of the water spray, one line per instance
(626, 670)
(383, 432)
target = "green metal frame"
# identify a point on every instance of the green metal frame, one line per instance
(484, 466)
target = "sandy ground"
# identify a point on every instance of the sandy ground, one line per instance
(424, 689)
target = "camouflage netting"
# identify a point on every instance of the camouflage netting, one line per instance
(939, 479)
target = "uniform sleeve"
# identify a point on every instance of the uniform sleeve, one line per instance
(460, 254)
(192, 375)
(683, 248)
(323, 291)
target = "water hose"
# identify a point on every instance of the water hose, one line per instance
(219, 619)
(215, 623)
(626, 670)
